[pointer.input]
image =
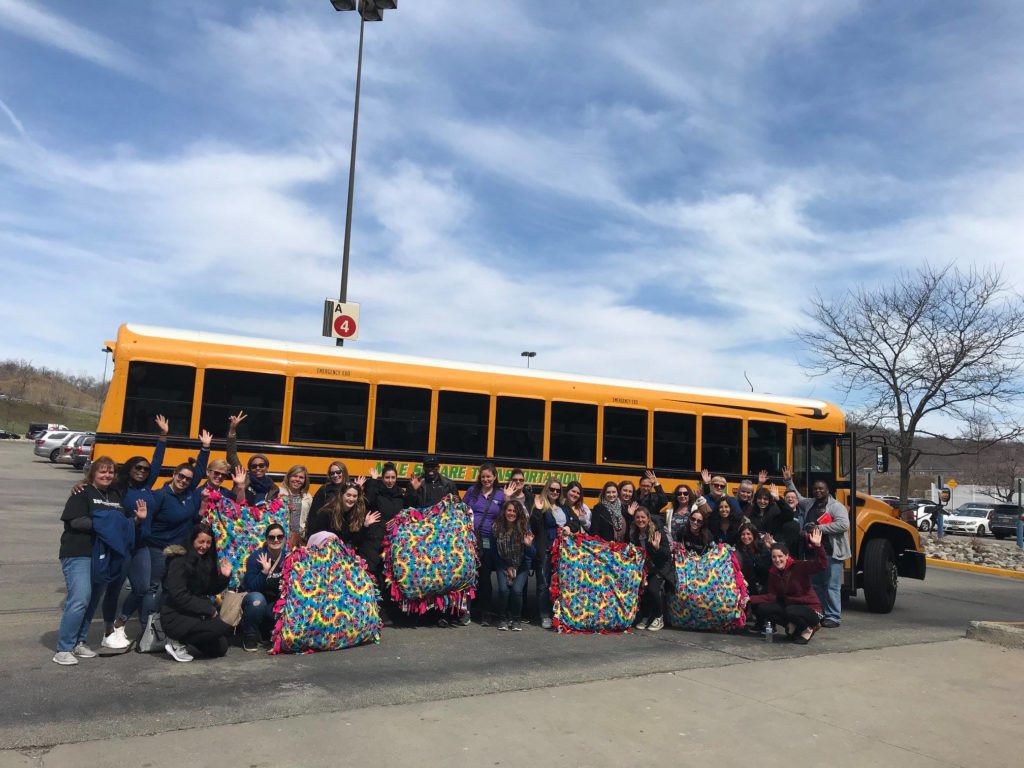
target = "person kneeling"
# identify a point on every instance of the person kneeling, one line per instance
(790, 599)
(188, 615)
(262, 583)
(661, 569)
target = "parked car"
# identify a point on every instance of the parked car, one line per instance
(83, 452)
(48, 446)
(1004, 518)
(5, 435)
(37, 429)
(67, 449)
(969, 518)
(921, 516)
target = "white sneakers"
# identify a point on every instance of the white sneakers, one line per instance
(657, 624)
(117, 640)
(65, 658)
(177, 651)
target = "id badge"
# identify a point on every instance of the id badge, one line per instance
(486, 543)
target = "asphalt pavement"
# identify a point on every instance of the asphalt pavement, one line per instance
(135, 695)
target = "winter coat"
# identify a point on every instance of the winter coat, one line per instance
(836, 533)
(324, 494)
(189, 582)
(792, 586)
(545, 530)
(655, 501)
(659, 559)
(755, 563)
(431, 492)
(601, 522)
(388, 501)
(268, 585)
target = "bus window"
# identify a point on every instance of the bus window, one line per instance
(260, 395)
(402, 418)
(675, 440)
(573, 432)
(625, 435)
(766, 446)
(722, 445)
(325, 411)
(156, 388)
(462, 423)
(519, 428)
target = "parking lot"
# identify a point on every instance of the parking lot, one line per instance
(48, 704)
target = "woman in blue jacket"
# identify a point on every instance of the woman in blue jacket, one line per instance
(512, 545)
(262, 582)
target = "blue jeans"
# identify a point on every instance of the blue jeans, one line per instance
(139, 573)
(542, 574)
(827, 586)
(80, 604)
(940, 528)
(257, 613)
(151, 601)
(510, 594)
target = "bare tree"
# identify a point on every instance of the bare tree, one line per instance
(997, 469)
(936, 341)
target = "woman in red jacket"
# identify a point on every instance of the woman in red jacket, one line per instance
(790, 600)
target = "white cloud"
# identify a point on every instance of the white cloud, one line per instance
(31, 21)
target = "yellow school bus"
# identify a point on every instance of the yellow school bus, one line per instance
(310, 405)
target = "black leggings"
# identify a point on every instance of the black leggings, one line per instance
(651, 598)
(209, 637)
(799, 616)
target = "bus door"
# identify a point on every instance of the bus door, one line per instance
(829, 456)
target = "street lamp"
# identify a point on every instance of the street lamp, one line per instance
(369, 10)
(106, 352)
(527, 355)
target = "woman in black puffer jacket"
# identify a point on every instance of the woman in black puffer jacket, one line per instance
(192, 578)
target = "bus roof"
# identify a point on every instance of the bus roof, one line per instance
(204, 337)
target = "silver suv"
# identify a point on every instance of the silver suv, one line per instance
(49, 444)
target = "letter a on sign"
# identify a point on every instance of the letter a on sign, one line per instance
(341, 320)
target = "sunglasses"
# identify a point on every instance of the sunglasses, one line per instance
(141, 468)
(554, 490)
(218, 473)
(258, 465)
(275, 537)
(718, 485)
(683, 493)
(697, 520)
(182, 476)
(335, 472)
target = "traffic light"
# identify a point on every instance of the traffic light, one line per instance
(882, 459)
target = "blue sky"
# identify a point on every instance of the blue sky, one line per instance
(645, 190)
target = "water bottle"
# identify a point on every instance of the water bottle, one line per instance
(769, 633)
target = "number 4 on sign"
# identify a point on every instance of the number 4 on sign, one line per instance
(341, 320)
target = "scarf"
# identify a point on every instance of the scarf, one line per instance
(260, 485)
(510, 546)
(615, 508)
(294, 510)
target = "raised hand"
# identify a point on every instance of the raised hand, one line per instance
(264, 561)
(360, 481)
(815, 536)
(162, 424)
(225, 568)
(513, 488)
(633, 507)
(238, 476)
(774, 491)
(656, 539)
(787, 472)
(415, 482)
(371, 518)
(234, 421)
(768, 540)
(649, 474)
(140, 509)
(762, 477)
(374, 473)
(205, 437)
(705, 475)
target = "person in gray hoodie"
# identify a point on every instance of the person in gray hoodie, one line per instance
(824, 512)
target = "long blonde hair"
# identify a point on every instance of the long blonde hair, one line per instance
(545, 500)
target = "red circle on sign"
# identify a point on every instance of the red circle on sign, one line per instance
(345, 326)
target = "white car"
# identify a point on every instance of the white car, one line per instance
(968, 518)
(922, 517)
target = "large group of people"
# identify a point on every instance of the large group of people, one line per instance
(118, 527)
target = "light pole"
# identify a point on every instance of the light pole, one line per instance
(527, 355)
(106, 356)
(369, 10)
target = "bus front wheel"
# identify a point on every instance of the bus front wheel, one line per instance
(880, 576)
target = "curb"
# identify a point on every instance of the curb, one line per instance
(971, 567)
(1005, 634)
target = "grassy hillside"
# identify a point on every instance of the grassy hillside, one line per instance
(41, 394)
(15, 416)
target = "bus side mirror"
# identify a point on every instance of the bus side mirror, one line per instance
(882, 459)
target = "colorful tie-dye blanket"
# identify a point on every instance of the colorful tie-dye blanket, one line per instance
(430, 558)
(595, 584)
(711, 592)
(240, 529)
(328, 601)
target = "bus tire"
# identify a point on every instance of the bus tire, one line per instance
(880, 576)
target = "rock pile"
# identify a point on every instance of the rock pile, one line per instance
(964, 549)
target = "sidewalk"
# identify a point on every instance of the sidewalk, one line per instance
(941, 704)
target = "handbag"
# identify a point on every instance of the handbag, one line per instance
(231, 608)
(153, 637)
